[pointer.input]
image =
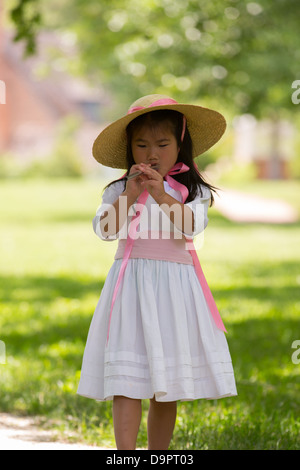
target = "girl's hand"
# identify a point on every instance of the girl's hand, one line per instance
(134, 187)
(153, 182)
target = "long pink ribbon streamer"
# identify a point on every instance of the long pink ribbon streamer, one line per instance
(178, 168)
(129, 244)
(205, 287)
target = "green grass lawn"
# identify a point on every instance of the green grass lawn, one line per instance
(52, 270)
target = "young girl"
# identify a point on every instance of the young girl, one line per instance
(156, 333)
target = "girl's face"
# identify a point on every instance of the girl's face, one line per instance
(155, 145)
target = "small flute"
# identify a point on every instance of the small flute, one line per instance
(137, 173)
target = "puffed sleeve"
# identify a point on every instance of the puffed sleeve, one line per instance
(199, 207)
(110, 195)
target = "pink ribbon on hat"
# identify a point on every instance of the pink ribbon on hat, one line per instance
(178, 168)
(161, 102)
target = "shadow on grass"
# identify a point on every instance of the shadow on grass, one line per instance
(44, 324)
(44, 310)
(262, 325)
(275, 282)
(46, 287)
(265, 413)
(45, 321)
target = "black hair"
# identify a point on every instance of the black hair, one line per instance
(192, 179)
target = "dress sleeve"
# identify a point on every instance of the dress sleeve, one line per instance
(199, 207)
(110, 195)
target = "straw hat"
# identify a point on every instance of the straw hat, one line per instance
(206, 127)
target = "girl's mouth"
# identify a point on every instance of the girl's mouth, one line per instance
(137, 173)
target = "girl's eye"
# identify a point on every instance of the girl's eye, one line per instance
(141, 146)
(163, 145)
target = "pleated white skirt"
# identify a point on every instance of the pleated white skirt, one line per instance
(163, 341)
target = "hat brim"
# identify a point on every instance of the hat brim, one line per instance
(205, 126)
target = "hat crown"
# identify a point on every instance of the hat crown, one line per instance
(205, 126)
(147, 100)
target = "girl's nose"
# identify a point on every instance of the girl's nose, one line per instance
(152, 155)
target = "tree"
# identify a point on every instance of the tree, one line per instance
(245, 54)
(242, 55)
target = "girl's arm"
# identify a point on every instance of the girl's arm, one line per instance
(180, 215)
(112, 220)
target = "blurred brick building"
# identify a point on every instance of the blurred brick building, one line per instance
(37, 94)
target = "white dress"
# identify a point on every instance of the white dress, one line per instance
(163, 340)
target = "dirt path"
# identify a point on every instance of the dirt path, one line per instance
(24, 433)
(243, 207)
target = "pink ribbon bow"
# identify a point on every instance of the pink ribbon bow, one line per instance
(161, 102)
(178, 168)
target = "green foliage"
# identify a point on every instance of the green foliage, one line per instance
(241, 55)
(52, 271)
(27, 16)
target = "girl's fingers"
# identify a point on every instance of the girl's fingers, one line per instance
(153, 174)
(134, 169)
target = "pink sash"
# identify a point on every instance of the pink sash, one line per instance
(178, 168)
